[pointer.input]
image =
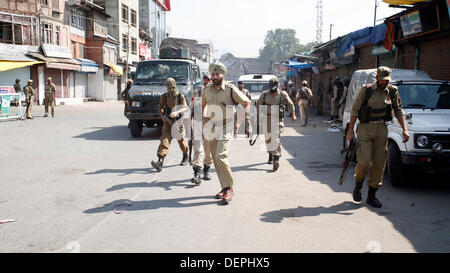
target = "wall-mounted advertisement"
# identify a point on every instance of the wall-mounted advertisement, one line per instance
(411, 23)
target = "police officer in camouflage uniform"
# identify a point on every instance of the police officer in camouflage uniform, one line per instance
(171, 107)
(304, 98)
(275, 96)
(50, 95)
(29, 97)
(125, 97)
(373, 107)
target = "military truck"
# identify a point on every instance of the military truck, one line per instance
(150, 83)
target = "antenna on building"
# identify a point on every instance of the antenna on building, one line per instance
(319, 22)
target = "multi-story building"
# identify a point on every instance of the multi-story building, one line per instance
(19, 34)
(152, 19)
(123, 27)
(95, 49)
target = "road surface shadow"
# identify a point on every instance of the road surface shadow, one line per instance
(186, 183)
(419, 211)
(124, 172)
(277, 216)
(249, 167)
(118, 133)
(154, 204)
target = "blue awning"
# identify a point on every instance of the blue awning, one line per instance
(88, 66)
(299, 65)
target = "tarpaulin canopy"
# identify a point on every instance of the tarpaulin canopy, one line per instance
(299, 65)
(58, 63)
(374, 35)
(404, 2)
(8, 65)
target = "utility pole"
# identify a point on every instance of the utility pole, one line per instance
(331, 29)
(375, 15)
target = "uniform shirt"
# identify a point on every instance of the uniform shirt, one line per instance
(222, 98)
(307, 91)
(171, 102)
(379, 100)
(29, 91)
(49, 90)
(17, 88)
(246, 92)
(281, 97)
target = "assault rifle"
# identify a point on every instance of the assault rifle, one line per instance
(349, 155)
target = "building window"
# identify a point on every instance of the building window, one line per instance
(133, 17)
(125, 13)
(81, 51)
(124, 42)
(57, 35)
(134, 46)
(77, 19)
(47, 31)
(45, 3)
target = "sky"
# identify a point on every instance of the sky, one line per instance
(240, 26)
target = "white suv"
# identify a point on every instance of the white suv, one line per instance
(256, 84)
(427, 106)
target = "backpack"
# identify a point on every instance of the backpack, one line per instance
(281, 104)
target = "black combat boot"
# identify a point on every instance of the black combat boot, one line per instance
(184, 160)
(276, 163)
(206, 175)
(372, 200)
(357, 191)
(270, 159)
(158, 165)
(196, 179)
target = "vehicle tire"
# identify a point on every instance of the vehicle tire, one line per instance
(136, 128)
(395, 166)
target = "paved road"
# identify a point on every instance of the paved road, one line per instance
(61, 179)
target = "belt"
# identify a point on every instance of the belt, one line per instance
(377, 122)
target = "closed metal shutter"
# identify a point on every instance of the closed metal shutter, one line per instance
(435, 58)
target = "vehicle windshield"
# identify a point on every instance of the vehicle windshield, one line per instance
(160, 71)
(256, 86)
(421, 96)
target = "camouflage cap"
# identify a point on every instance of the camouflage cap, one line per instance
(49, 78)
(290, 83)
(30, 80)
(384, 73)
(219, 67)
(304, 82)
(130, 81)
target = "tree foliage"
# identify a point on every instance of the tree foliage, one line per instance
(280, 44)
